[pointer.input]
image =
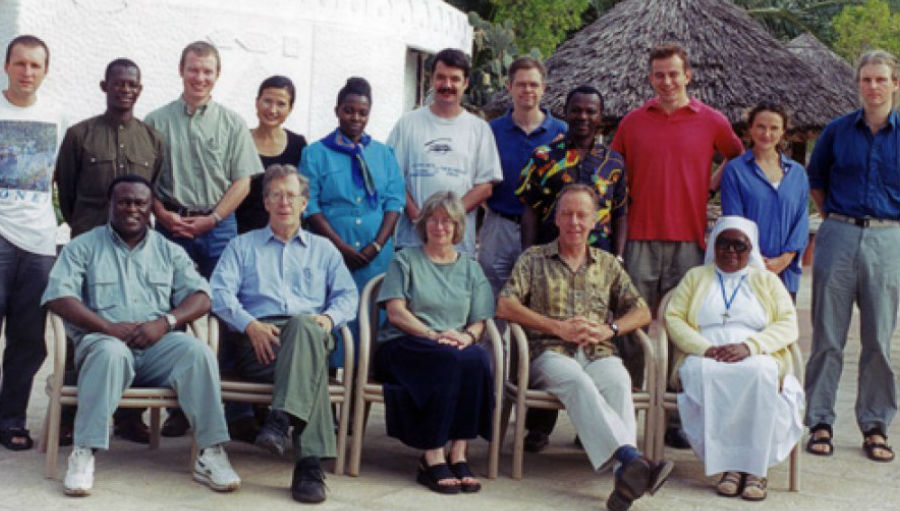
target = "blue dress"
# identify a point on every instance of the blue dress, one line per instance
(780, 213)
(333, 193)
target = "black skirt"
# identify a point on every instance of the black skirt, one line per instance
(434, 392)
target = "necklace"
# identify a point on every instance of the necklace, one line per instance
(728, 301)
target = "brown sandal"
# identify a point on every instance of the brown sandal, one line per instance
(754, 487)
(730, 484)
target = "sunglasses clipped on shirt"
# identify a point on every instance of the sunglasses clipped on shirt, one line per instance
(737, 245)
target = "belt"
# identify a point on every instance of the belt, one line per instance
(185, 211)
(864, 222)
(512, 218)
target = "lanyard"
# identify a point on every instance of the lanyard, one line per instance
(728, 301)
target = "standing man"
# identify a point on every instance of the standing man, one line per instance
(97, 150)
(29, 138)
(93, 153)
(668, 145)
(282, 291)
(210, 158)
(442, 147)
(854, 178)
(517, 133)
(579, 158)
(124, 292)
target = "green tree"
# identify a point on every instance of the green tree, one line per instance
(867, 26)
(541, 24)
(786, 19)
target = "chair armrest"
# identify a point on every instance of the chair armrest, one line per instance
(496, 344)
(58, 343)
(651, 361)
(349, 354)
(212, 331)
(520, 342)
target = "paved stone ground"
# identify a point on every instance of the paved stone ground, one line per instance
(130, 476)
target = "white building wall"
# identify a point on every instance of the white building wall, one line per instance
(317, 43)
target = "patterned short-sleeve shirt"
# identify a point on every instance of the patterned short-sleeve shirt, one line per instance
(553, 167)
(599, 290)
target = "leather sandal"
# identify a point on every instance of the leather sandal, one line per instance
(824, 440)
(754, 487)
(431, 476)
(730, 484)
(871, 446)
(462, 471)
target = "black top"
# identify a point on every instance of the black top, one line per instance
(251, 214)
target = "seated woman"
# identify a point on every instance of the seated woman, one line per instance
(437, 381)
(732, 322)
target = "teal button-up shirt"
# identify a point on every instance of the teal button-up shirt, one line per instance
(123, 284)
(205, 153)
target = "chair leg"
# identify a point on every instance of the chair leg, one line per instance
(496, 442)
(505, 414)
(795, 468)
(519, 442)
(154, 428)
(343, 421)
(359, 429)
(195, 451)
(50, 437)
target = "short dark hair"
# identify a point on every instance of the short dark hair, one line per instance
(29, 41)
(278, 82)
(525, 63)
(128, 178)
(768, 106)
(666, 50)
(201, 49)
(355, 85)
(120, 62)
(452, 57)
(582, 89)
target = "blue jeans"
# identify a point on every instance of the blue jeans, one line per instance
(205, 249)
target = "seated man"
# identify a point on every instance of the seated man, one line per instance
(572, 299)
(115, 286)
(283, 290)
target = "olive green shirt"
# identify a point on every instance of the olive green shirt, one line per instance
(599, 290)
(93, 153)
(119, 283)
(205, 153)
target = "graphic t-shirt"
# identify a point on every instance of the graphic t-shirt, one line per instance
(438, 155)
(29, 141)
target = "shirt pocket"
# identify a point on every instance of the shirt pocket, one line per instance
(142, 165)
(103, 292)
(160, 288)
(311, 285)
(98, 171)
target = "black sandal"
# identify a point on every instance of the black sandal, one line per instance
(820, 441)
(9, 434)
(870, 447)
(461, 470)
(431, 476)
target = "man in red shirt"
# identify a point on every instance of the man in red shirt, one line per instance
(668, 145)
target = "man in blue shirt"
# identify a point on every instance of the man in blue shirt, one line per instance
(854, 178)
(283, 290)
(517, 133)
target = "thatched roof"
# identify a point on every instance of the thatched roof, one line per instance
(735, 62)
(821, 58)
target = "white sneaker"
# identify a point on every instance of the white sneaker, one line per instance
(212, 469)
(80, 474)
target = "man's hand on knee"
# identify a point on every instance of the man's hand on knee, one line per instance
(120, 331)
(262, 336)
(147, 334)
(324, 321)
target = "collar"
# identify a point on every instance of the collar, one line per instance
(552, 251)
(118, 241)
(545, 125)
(115, 123)
(200, 109)
(693, 105)
(300, 236)
(748, 157)
(859, 119)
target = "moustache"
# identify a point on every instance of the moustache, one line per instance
(447, 90)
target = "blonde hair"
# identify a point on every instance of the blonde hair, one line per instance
(881, 57)
(278, 171)
(450, 203)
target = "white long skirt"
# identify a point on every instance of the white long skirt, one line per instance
(734, 416)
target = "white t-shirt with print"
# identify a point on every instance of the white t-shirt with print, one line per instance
(29, 142)
(438, 154)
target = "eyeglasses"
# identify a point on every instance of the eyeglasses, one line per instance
(443, 222)
(280, 197)
(737, 245)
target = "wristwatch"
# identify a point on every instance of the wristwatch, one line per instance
(614, 327)
(377, 246)
(172, 321)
